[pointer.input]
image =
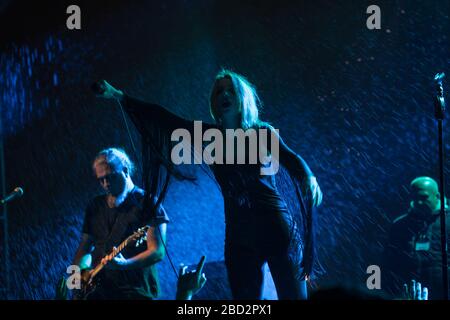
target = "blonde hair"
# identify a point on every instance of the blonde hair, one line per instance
(247, 97)
(114, 157)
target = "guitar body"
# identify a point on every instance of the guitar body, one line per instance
(88, 284)
(89, 279)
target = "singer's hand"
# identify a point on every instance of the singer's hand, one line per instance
(108, 91)
(311, 187)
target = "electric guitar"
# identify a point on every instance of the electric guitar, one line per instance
(88, 281)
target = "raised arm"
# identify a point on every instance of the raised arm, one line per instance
(143, 114)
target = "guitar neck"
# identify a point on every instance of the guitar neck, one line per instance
(114, 253)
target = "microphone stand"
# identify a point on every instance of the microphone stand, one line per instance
(439, 113)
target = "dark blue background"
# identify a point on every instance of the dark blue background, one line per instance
(355, 103)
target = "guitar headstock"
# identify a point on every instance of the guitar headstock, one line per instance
(140, 235)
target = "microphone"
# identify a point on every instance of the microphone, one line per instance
(17, 193)
(98, 87)
(439, 102)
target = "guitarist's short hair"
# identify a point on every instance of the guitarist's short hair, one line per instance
(115, 157)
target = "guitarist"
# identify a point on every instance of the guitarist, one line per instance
(109, 219)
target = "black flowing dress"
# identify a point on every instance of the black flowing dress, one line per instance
(259, 226)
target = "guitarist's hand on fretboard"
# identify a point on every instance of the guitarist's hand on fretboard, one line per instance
(115, 261)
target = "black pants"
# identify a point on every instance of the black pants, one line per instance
(255, 237)
(245, 274)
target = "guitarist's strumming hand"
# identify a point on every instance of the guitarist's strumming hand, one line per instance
(115, 262)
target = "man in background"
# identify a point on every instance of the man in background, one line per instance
(413, 250)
